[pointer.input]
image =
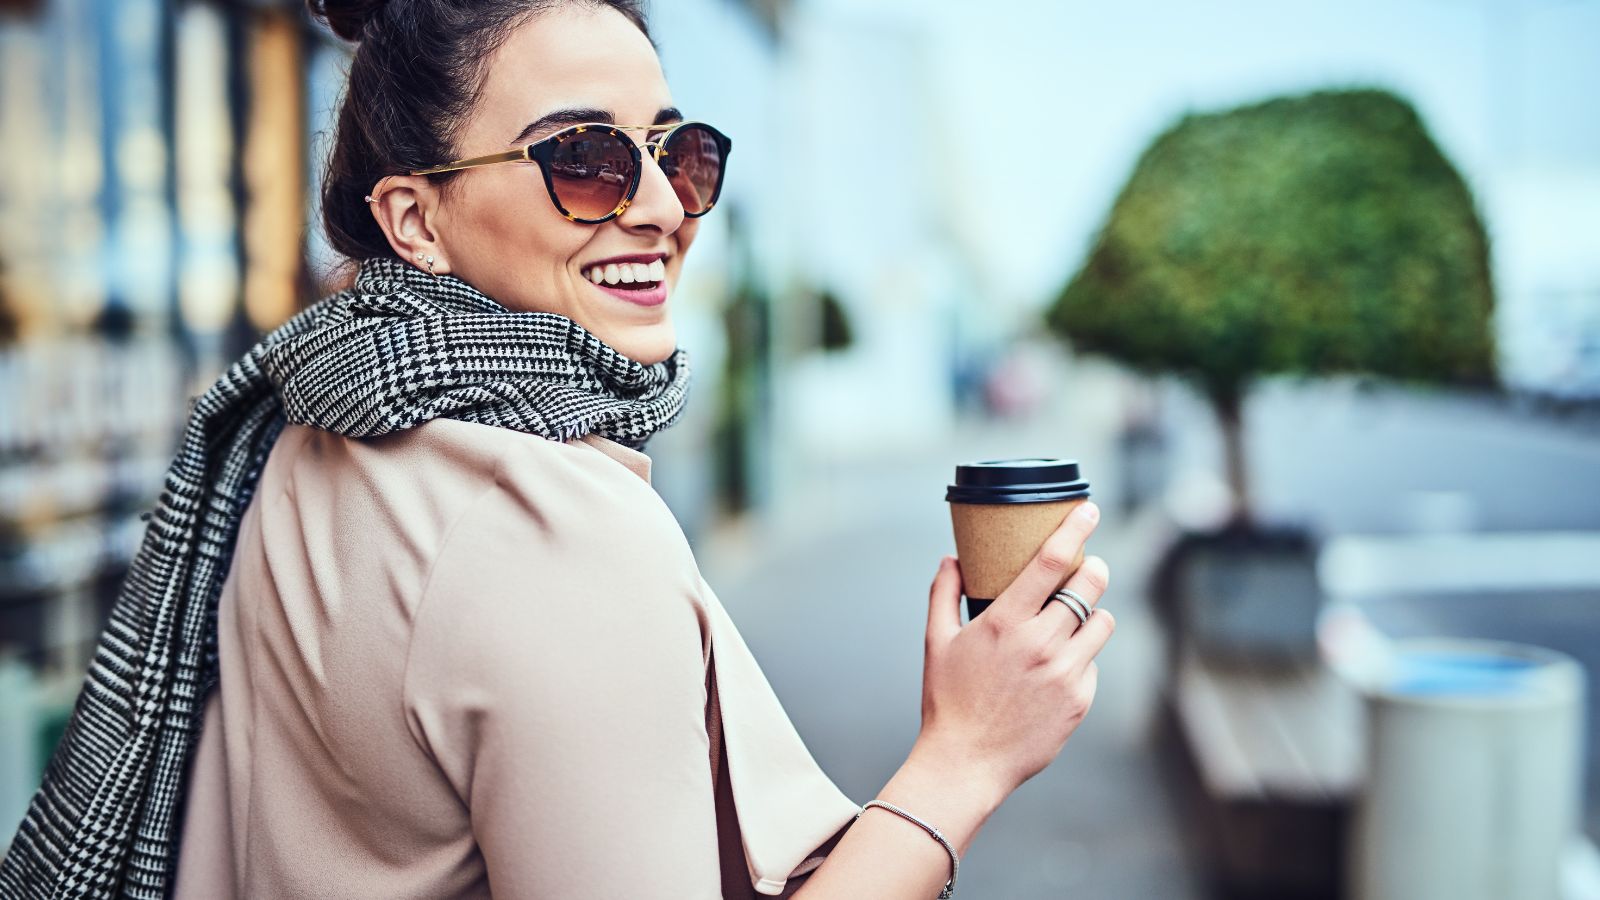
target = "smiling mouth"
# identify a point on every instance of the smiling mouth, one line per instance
(628, 275)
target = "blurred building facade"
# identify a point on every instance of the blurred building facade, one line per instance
(152, 205)
(154, 199)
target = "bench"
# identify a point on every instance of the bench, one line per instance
(1272, 757)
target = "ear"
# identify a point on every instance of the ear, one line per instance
(405, 207)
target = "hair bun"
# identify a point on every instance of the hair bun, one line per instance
(346, 17)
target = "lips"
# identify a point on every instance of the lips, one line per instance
(638, 278)
(654, 295)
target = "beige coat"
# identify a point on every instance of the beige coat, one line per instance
(461, 659)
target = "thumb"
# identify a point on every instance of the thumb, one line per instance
(944, 603)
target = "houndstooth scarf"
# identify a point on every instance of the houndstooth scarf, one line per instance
(398, 348)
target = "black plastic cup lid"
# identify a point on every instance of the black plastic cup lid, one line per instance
(1027, 480)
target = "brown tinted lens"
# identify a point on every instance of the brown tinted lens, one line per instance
(591, 173)
(693, 164)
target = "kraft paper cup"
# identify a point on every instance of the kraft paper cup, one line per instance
(1002, 511)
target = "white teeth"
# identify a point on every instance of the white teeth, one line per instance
(628, 273)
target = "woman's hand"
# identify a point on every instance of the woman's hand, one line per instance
(1001, 696)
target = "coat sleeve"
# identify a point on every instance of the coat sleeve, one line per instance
(557, 672)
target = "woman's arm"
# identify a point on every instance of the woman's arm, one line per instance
(888, 858)
(1001, 695)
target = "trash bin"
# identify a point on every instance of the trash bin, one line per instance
(1474, 773)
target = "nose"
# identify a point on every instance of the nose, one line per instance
(655, 205)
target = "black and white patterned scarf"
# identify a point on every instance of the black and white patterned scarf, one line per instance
(398, 348)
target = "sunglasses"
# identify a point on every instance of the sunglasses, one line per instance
(593, 171)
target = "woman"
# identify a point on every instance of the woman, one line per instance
(458, 643)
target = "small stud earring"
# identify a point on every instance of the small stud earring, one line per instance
(419, 256)
(369, 198)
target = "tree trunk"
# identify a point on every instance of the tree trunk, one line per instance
(1229, 405)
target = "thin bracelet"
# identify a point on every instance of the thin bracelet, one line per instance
(955, 862)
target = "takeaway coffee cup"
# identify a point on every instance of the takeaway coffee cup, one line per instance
(1002, 511)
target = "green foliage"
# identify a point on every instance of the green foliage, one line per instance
(745, 326)
(1307, 235)
(836, 333)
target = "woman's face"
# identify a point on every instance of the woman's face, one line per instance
(497, 229)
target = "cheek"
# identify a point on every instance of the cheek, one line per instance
(551, 243)
(684, 237)
(513, 245)
(515, 225)
(685, 234)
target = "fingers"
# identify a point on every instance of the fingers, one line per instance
(1089, 582)
(1089, 685)
(1060, 555)
(944, 603)
(1090, 638)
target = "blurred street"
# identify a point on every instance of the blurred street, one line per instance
(831, 594)
(833, 601)
(1453, 470)
(1386, 461)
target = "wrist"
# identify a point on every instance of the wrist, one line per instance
(946, 791)
(962, 767)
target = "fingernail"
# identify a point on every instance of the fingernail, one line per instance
(1088, 512)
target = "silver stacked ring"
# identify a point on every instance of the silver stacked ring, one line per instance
(1074, 602)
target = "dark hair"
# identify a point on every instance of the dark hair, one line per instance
(418, 67)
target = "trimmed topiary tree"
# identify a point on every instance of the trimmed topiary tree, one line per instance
(1316, 234)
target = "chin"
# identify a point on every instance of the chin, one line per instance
(651, 345)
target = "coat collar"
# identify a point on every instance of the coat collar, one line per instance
(636, 460)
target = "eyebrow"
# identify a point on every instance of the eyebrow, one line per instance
(561, 118)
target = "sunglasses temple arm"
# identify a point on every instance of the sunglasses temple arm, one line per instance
(473, 162)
